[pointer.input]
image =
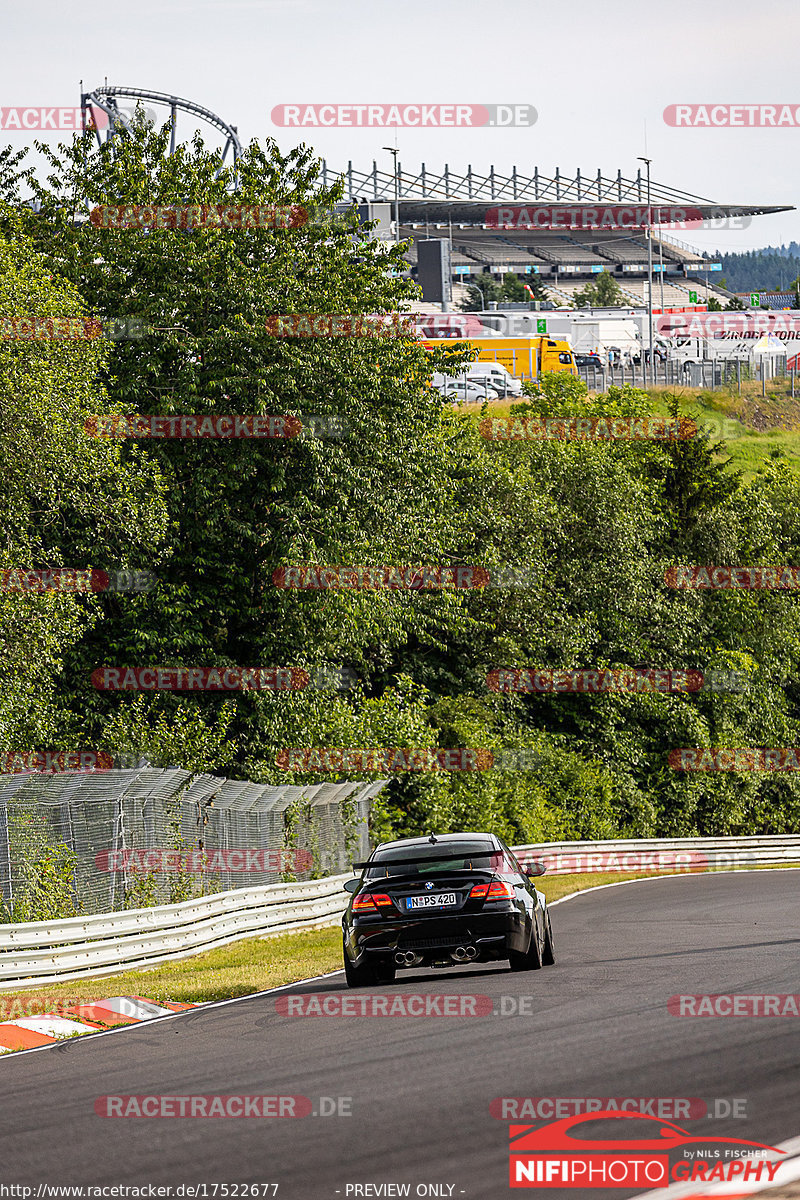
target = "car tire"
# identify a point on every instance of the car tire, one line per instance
(548, 951)
(359, 977)
(368, 974)
(385, 972)
(532, 961)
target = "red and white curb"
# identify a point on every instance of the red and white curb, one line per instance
(788, 1171)
(87, 1016)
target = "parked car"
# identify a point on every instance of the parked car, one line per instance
(441, 901)
(501, 379)
(463, 390)
(589, 360)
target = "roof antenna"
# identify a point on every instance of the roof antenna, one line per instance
(432, 839)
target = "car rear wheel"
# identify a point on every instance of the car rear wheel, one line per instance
(548, 953)
(385, 972)
(531, 961)
(367, 974)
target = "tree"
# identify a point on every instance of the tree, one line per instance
(239, 511)
(67, 500)
(478, 297)
(513, 288)
(601, 292)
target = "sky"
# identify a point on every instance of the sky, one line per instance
(599, 73)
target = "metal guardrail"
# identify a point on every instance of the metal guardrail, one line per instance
(42, 952)
(566, 858)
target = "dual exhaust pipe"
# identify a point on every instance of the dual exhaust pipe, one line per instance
(409, 958)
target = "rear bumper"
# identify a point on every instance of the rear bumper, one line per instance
(494, 934)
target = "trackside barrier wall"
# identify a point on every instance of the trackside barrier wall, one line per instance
(43, 952)
(564, 858)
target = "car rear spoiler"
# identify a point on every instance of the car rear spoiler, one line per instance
(426, 858)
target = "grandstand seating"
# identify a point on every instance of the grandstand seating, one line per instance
(475, 249)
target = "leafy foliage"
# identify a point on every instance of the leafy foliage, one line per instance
(594, 524)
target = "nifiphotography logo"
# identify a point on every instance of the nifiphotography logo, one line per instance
(646, 1153)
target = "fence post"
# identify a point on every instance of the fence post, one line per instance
(7, 884)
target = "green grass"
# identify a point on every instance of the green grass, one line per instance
(252, 965)
(755, 428)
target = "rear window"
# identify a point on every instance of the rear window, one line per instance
(397, 861)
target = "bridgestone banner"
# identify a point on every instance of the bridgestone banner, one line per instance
(783, 325)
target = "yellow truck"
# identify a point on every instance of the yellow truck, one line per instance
(523, 357)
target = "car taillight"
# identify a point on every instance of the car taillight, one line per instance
(370, 900)
(496, 890)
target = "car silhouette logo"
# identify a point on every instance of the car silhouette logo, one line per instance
(556, 1136)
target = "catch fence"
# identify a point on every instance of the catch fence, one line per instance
(710, 374)
(87, 843)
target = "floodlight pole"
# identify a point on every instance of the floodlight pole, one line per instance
(649, 264)
(394, 151)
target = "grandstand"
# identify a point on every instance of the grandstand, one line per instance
(566, 252)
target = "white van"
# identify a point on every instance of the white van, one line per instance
(497, 376)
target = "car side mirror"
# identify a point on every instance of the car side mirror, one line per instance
(534, 868)
(352, 884)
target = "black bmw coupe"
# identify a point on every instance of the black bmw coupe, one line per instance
(441, 901)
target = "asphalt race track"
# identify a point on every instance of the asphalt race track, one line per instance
(420, 1087)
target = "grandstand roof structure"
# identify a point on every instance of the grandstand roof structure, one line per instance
(458, 196)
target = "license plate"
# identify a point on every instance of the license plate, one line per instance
(440, 900)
